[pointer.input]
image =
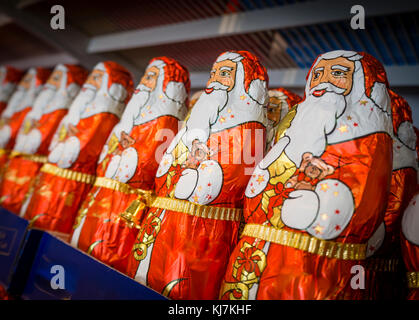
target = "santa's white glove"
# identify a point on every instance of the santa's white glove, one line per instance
(300, 209)
(324, 212)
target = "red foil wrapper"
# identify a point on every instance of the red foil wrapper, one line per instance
(35, 134)
(130, 161)
(317, 197)
(64, 182)
(19, 104)
(184, 242)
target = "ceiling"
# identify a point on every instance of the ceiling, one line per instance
(391, 35)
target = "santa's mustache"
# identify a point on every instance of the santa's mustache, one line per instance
(49, 86)
(215, 85)
(142, 87)
(325, 87)
(88, 86)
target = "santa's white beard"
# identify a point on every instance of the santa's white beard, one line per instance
(41, 102)
(315, 118)
(5, 91)
(5, 133)
(132, 111)
(203, 115)
(83, 99)
(13, 103)
(28, 100)
(61, 100)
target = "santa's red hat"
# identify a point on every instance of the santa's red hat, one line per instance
(255, 75)
(176, 83)
(12, 75)
(120, 84)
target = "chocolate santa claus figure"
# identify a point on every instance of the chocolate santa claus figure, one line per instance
(410, 238)
(280, 102)
(184, 243)
(129, 162)
(19, 104)
(9, 79)
(410, 246)
(384, 265)
(31, 148)
(65, 180)
(317, 197)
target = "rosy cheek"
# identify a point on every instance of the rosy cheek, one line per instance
(341, 82)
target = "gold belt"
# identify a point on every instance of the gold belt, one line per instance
(3, 151)
(147, 199)
(31, 157)
(68, 174)
(382, 265)
(413, 280)
(199, 210)
(114, 185)
(305, 242)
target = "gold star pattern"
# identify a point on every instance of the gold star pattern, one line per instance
(349, 118)
(318, 229)
(343, 128)
(222, 119)
(363, 102)
(260, 179)
(324, 187)
(335, 193)
(242, 97)
(324, 216)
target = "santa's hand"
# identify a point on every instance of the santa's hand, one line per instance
(186, 184)
(199, 150)
(300, 209)
(72, 130)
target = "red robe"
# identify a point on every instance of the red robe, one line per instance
(56, 199)
(289, 273)
(190, 253)
(22, 170)
(104, 235)
(15, 122)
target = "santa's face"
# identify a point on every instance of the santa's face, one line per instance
(26, 81)
(95, 78)
(223, 73)
(149, 78)
(55, 79)
(274, 109)
(338, 72)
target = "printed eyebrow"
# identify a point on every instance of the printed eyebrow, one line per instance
(151, 73)
(340, 67)
(226, 68)
(319, 69)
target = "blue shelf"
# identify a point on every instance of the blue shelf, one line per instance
(31, 261)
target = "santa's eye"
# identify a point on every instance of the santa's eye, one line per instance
(224, 73)
(338, 73)
(316, 75)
